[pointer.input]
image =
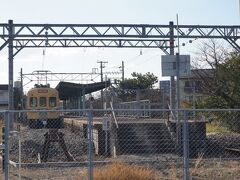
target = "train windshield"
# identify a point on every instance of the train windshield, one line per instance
(33, 102)
(42, 102)
(52, 101)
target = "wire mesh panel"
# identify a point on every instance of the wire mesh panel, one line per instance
(113, 144)
(44, 148)
(116, 141)
(144, 144)
(219, 147)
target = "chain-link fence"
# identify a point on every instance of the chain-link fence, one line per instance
(120, 144)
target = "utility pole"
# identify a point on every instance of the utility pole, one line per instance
(122, 70)
(21, 75)
(101, 72)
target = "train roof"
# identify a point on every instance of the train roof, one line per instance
(67, 90)
(38, 89)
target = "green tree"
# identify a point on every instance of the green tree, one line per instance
(127, 88)
(229, 80)
(226, 92)
(139, 81)
(222, 86)
(225, 87)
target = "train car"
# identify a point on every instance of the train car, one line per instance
(43, 99)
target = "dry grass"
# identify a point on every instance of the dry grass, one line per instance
(194, 171)
(215, 169)
(173, 172)
(216, 128)
(123, 171)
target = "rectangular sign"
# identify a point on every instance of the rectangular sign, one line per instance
(106, 123)
(42, 91)
(169, 65)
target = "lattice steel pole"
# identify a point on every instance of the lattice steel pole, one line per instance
(10, 71)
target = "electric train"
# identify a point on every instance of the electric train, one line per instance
(41, 103)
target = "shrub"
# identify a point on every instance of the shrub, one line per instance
(123, 171)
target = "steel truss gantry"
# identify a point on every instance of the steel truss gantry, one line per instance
(47, 76)
(110, 35)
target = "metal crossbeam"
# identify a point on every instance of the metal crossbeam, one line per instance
(119, 31)
(19, 44)
(47, 76)
(148, 43)
(40, 76)
(111, 35)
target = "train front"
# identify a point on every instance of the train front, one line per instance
(43, 105)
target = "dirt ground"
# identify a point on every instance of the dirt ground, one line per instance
(47, 173)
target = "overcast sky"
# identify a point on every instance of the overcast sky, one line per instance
(190, 12)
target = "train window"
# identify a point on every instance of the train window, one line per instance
(42, 102)
(33, 102)
(52, 101)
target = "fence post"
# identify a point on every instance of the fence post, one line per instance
(185, 147)
(90, 144)
(6, 145)
(3, 144)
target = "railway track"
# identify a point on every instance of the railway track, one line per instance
(33, 142)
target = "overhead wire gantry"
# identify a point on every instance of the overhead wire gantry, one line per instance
(109, 35)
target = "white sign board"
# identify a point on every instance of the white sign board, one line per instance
(169, 65)
(3, 96)
(106, 123)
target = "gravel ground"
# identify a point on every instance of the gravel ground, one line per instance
(32, 141)
(217, 145)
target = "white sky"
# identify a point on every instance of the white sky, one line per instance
(191, 12)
